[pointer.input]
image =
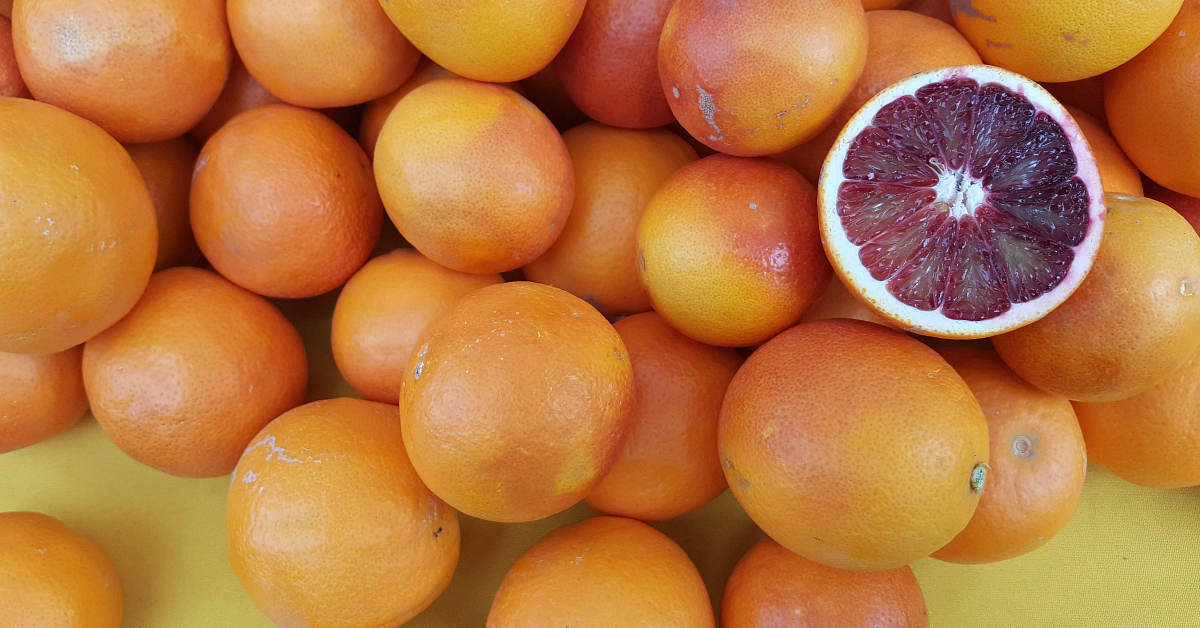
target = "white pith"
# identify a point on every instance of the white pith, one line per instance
(961, 193)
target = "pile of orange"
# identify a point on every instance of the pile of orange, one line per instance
(630, 253)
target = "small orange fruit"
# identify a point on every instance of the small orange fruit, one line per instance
(166, 168)
(11, 83)
(1117, 173)
(378, 110)
(242, 93)
(838, 302)
(1187, 206)
(40, 396)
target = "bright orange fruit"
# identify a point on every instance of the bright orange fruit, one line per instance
(166, 168)
(1117, 173)
(40, 396)
(11, 83)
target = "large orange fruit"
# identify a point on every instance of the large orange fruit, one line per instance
(40, 396)
(1187, 206)
(242, 93)
(1037, 459)
(378, 110)
(616, 173)
(186, 379)
(853, 445)
(758, 79)
(11, 83)
(144, 71)
(729, 249)
(1117, 173)
(774, 587)
(78, 238)
(284, 202)
(605, 571)
(329, 525)
(516, 402)
(166, 168)
(53, 577)
(473, 175)
(382, 311)
(1134, 319)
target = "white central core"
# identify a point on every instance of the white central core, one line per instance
(960, 192)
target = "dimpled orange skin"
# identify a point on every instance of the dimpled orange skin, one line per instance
(873, 479)
(729, 250)
(1187, 206)
(242, 93)
(605, 571)
(284, 202)
(669, 464)
(838, 302)
(1037, 457)
(53, 577)
(474, 176)
(382, 311)
(166, 168)
(11, 83)
(77, 235)
(617, 171)
(757, 79)
(1133, 320)
(774, 587)
(40, 396)
(516, 402)
(378, 110)
(1117, 173)
(329, 525)
(186, 379)
(144, 71)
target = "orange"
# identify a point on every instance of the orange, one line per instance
(185, 380)
(382, 311)
(242, 93)
(516, 402)
(838, 302)
(1151, 102)
(1117, 173)
(1085, 94)
(875, 5)
(1187, 206)
(144, 71)
(605, 571)
(40, 396)
(473, 175)
(378, 110)
(773, 587)
(669, 465)
(545, 89)
(1064, 40)
(284, 202)
(78, 235)
(616, 173)
(940, 9)
(853, 445)
(329, 525)
(730, 251)
(758, 79)
(166, 168)
(1133, 320)
(53, 577)
(1037, 459)
(11, 83)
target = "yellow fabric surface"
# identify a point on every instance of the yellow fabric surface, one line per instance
(1130, 558)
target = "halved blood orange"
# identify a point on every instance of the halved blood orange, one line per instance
(962, 203)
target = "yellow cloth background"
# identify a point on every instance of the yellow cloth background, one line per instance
(1130, 558)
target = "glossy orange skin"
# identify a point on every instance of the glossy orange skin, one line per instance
(729, 249)
(144, 71)
(545, 89)
(1117, 173)
(474, 176)
(758, 79)
(382, 311)
(838, 302)
(610, 64)
(774, 587)
(242, 93)
(11, 83)
(257, 183)
(1187, 206)
(166, 168)
(669, 465)
(40, 396)
(617, 171)
(852, 444)
(193, 372)
(1085, 94)
(516, 402)
(378, 110)
(1037, 457)
(329, 525)
(605, 571)
(53, 577)
(77, 232)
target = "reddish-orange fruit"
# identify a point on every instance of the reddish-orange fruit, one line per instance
(474, 176)
(729, 249)
(144, 71)
(774, 587)
(616, 173)
(378, 110)
(52, 576)
(610, 64)
(853, 445)
(329, 525)
(605, 571)
(284, 202)
(382, 311)
(11, 83)
(1037, 459)
(1187, 206)
(1085, 94)
(1117, 173)
(186, 379)
(242, 93)
(876, 5)
(940, 9)
(78, 238)
(1134, 320)
(838, 302)
(758, 79)
(516, 402)
(40, 396)
(166, 168)
(545, 90)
